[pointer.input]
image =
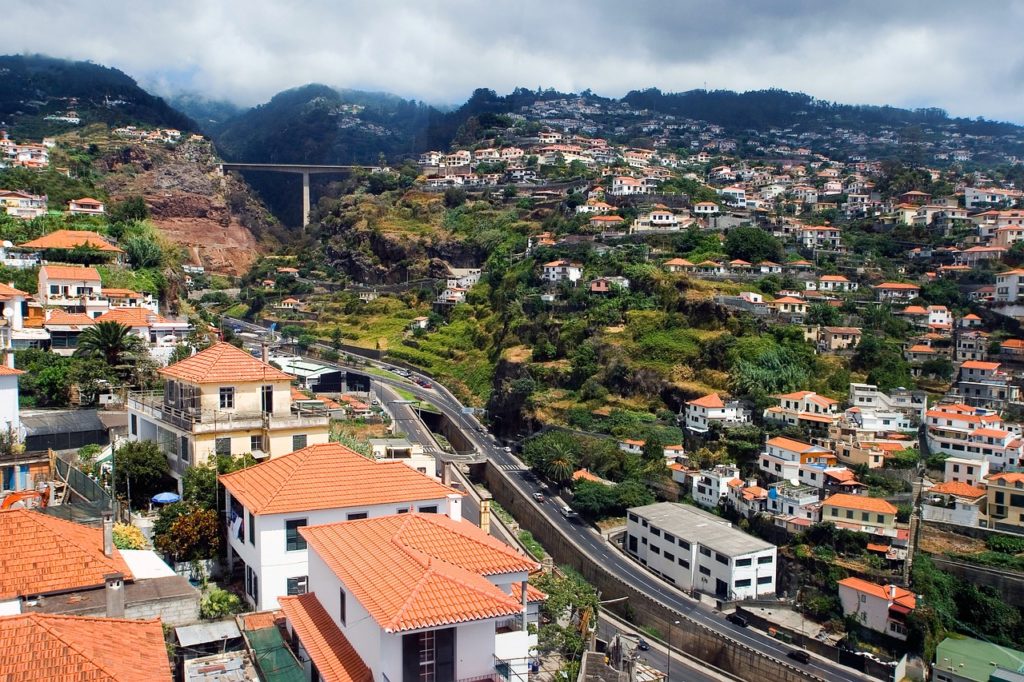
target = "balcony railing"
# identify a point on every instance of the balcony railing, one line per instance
(204, 421)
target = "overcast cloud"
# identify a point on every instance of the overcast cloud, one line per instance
(965, 57)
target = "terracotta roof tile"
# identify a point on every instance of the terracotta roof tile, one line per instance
(223, 363)
(978, 364)
(261, 619)
(861, 502)
(334, 656)
(69, 239)
(40, 554)
(958, 489)
(37, 647)
(131, 317)
(712, 400)
(328, 476)
(6, 291)
(62, 317)
(77, 273)
(793, 445)
(888, 592)
(419, 570)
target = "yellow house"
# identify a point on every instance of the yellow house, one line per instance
(223, 401)
(860, 513)
(1006, 501)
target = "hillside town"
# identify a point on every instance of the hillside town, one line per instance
(765, 388)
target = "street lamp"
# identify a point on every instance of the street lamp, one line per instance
(668, 667)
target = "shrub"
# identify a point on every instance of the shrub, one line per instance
(129, 537)
(1005, 544)
(217, 603)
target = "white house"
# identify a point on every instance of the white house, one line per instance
(412, 597)
(1009, 286)
(783, 457)
(882, 608)
(705, 208)
(267, 505)
(794, 500)
(623, 185)
(695, 550)
(804, 408)
(76, 289)
(85, 206)
(711, 486)
(963, 470)
(561, 271)
(703, 412)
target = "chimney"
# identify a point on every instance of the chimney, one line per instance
(455, 507)
(485, 511)
(892, 592)
(114, 590)
(108, 534)
(265, 354)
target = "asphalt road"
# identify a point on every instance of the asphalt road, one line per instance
(657, 655)
(595, 546)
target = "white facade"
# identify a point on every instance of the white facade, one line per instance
(278, 557)
(695, 550)
(1009, 286)
(561, 271)
(872, 606)
(963, 470)
(711, 486)
(701, 413)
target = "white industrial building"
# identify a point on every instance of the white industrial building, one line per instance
(695, 550)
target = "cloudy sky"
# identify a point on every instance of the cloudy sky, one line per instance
(965, 57)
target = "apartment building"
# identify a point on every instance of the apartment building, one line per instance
(805, 409)
(711, 486)
(695, 550)
(267, 505)
(957, 503)
(984, 384)
(561, 271)
(223, 401)
(412, 597)
(784, 457)
(1009, 286)
(911, 403)
(963, 470)
(973, 433)
(860, 513)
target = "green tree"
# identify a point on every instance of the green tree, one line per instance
(192, 536)
(143, 252)
(824, 315)
(218, 603)
(593, 499)
(632, 494)
(112, 341)
(130, 210)
(752, 244)
(140, 466)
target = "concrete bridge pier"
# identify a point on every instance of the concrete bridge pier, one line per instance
(305, 199)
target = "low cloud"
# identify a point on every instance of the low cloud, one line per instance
(913, 53)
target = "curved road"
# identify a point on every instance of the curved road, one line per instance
(595, 546)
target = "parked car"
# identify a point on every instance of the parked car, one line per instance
(800, 656)
(507, 449)
(642, 644)
(737, 619)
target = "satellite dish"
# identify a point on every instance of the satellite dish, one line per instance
(8, 312)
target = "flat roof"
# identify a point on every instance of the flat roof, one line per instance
(202, 633)
(145, 563)
(695, 525)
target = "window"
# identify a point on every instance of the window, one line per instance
(864, 516)
(849, 513)
(267, 398)
(655, 532)
(670, 539)
(227, 397)
(683, 562)
(341, 605)
(252, 584)
(704, 570)
(722, 559)
(403, 510)
(655, 549)
(743, 562)
(743, 583)
(355, 516)
(431, 509)
(256, 443)
(222, 446)
(297, 585)
(684, 544)
(880, 518)
(705, 551)
(135, 425)
(762, 560)
(298, 442)
(764, 580)
(252, 529)
(633, 517)
(293, 540)
(669, 556)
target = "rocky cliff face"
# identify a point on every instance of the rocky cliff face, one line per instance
(215, 218)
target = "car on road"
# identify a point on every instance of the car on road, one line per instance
(538, 497)
(642, 644)
(568, 513)
(737, 619)
(426, 384)
(800, 656)
(507, 449)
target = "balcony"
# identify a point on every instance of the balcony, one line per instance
(198, 421)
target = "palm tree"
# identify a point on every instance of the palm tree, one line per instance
(111, 341)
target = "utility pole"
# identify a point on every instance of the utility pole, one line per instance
(668, 665)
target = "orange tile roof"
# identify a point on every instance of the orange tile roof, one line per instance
(990, 433)
(897, 285)
(6, 371)
(533, 593)
(223, 363)
(72, 272)
(69, 239)
(833, 278)
(261, 619)
(6, 291)
(978, 364)
(37, 647)
(42, 554)
(957, 488)
(131, 317)
(328, 476)
(790, 444)
(681, 262)
(710, 400)
(416, 570)
(61, 317)
(861, 502)
(921, 348)
(334, 656)
(1009, 477)
(914, 310)
(888, 592)
(113, 292)
(586, 475)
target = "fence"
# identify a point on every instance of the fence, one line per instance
(81, 485)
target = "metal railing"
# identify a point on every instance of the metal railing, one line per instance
(198, 420)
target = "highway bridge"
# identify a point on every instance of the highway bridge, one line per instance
(304, 169)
